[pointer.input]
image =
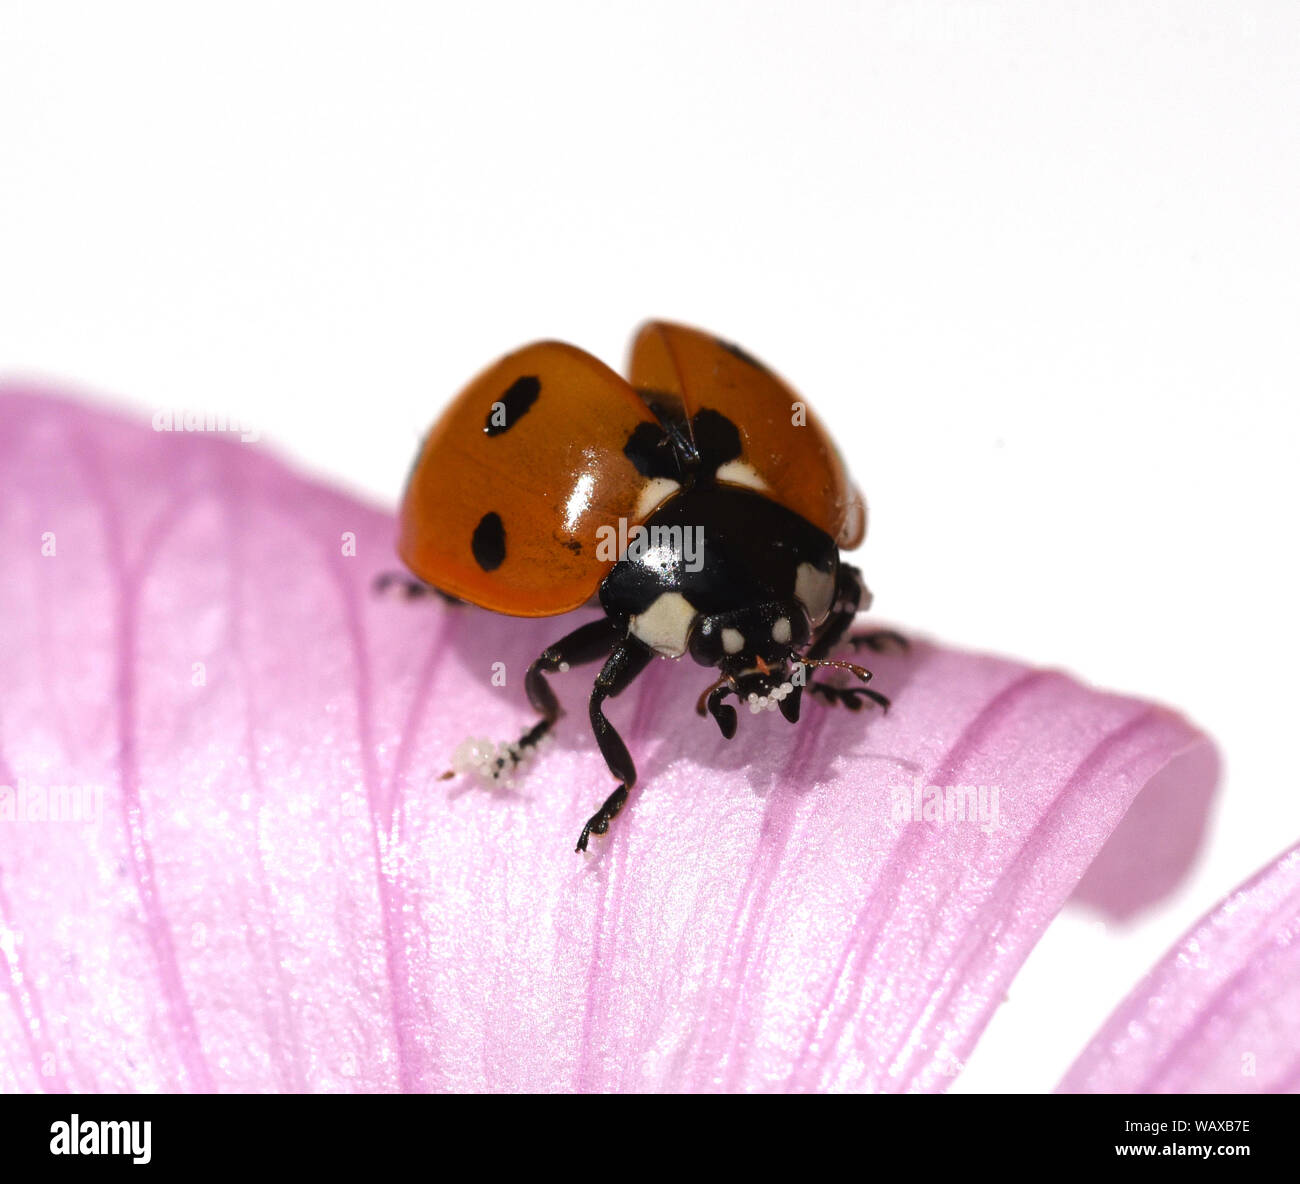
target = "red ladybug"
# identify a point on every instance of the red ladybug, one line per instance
(699, 500)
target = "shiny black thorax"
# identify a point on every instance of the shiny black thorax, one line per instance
(749, 552)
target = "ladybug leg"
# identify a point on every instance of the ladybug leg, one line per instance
(628, 660)
(854, 698)
(410, 587)
(587, 643)
(599, 822)
(880, 641)
(723, 713)
(789, 706)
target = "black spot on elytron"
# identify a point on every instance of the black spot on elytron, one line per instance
(574, 545)
(680, 454)
(651, 450)
(668, 409)
(489, 542)
(513, 405)
(716, 438)
(743, 355)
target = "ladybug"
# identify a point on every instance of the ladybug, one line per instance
(698, 501)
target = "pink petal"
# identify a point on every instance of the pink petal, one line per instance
(281, 893)
(1220, 1013)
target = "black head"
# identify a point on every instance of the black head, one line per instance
(755, 649)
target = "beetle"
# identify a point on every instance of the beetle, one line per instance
(699, 502)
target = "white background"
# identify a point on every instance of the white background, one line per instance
(1036, 264)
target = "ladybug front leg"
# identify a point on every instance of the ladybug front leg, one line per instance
(628, 660)
(496, 763)
(723, 713)
(587, 643)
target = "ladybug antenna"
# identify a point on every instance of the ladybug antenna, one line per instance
(861, 671)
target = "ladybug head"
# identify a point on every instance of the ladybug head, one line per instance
(745, 640)
(753, 648)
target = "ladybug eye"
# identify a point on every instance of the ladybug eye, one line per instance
(707, 641)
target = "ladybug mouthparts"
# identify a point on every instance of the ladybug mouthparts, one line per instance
(765, 685)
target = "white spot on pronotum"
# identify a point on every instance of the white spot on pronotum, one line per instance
(781, 630)
(666, 625)
(733, 641)
(815, 590)
(47, 544)
(198, 675)
(349, 541)
(653, 494)
(739, 472)
(498, 674)
(798, 414)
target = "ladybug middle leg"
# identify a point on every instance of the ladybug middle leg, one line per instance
(854, 698)
(879, 641)
(850, 592)
(410, 587)
(628, 660)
